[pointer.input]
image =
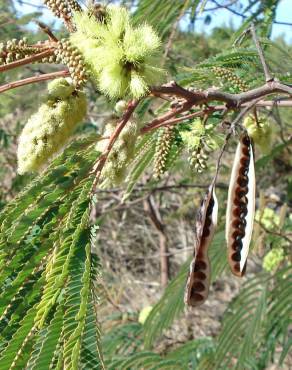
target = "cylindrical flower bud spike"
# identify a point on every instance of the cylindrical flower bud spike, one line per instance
(230, 76)
(165, 139)
(69, 55)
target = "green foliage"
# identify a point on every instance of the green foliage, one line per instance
(163, 15)
(49, 276)
(256, 321)
(45, 274)
(123, 349)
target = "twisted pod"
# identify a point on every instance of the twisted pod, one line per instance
(198, 282)
(240, 206)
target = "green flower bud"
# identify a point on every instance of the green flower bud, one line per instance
(261, 132)
(120, 107)
(273, 259)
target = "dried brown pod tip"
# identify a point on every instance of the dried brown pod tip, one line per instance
(240, 206)
(198, 282)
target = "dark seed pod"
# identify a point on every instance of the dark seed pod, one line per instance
(198, 282)
(240, 206)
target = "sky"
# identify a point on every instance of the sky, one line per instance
(219, 18)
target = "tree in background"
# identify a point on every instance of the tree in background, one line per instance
(158, 136)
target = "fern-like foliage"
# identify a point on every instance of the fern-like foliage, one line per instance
(123, 349)
(47, 302)
(163, 15)
(255, 323)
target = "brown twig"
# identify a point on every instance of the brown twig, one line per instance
(156, 219)
(173, 30)
(268, 76)
(34, 79)
(46, 29)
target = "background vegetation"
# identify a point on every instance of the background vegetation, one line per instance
(147, 223)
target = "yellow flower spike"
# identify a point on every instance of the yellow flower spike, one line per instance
(140, 43)
(59, 89)
(113, 82)
(49, 129)
(117, 20)
(121, 59)
(87, 25)
(138, 86)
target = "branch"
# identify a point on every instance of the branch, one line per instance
(46, 29)
(34, 79)
(268, 76)
(195, 98)
(232, 100)
(156, 219)
(28, 60)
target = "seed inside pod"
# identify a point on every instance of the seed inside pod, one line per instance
(239, 224)
(242, 181)
(199, 275)
(246, 140)
(208, 222)
(237, 245)
(240, 192)
(240, 202)
(243, 171)
(200, 265)
(236, 257)
(244, 161)
(238, 234)
(197, 297)
(245, 151)
(198, 287)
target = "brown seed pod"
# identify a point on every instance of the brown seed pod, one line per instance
(240, 206)
(198, 282)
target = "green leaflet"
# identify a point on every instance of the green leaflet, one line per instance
(162, 15)
(254, 321)
(185, 357)
(30, 256)
(47, 342)
(26, 298)
(90, 355)
(53, 231)
(167, 308)
(143, 157)
(77, 295)
(122, 340)
(58, 268)
(136, 361)
(9, 355)
(44, 182)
